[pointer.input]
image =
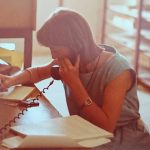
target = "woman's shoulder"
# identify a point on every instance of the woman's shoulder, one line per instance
(108, 48)
(113, 63)
(111, 56)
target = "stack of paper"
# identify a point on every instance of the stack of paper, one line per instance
(17, 93)
(72, 131)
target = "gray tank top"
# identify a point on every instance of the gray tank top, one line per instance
(101, 77)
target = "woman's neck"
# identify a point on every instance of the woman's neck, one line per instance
(92, 65)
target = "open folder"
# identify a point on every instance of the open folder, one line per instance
(71, 131)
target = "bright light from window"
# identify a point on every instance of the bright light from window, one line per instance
(122, 23)
(9, 46)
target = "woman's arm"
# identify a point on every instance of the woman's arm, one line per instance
(30, 75)
(113, 97)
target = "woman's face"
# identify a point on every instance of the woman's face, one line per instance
(59, 52)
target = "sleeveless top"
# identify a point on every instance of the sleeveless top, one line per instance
(101, 77)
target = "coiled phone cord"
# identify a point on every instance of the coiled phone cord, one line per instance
(9, 124)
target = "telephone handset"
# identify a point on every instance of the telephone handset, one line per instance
(55, 70)
(55, 73)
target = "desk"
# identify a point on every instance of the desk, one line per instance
(44, 112)
(25, 33)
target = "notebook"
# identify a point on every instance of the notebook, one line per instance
(17, 93)
(71, 131)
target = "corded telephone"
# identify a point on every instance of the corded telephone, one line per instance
(55, 73)
(32, 102)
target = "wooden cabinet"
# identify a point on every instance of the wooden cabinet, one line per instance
(127, 27)
(18, 14)
(18, 20)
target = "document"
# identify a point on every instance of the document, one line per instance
(17, 93)
(71, 131)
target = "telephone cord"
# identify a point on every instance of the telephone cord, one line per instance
(14, 120)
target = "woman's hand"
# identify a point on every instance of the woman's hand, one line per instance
(5, 82)
(68, 72)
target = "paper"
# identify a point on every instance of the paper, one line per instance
(12, 142)
(72, 131)
(73, 126)
(15, 58)
(17, 93)
(40, 141)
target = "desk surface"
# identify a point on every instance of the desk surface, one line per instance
(44, 112)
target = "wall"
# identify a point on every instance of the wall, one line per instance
(44, 8)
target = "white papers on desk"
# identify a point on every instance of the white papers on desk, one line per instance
(72, 131)
(16, 93)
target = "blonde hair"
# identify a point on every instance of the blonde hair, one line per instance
(67, 28)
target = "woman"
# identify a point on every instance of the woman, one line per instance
(99, 84)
